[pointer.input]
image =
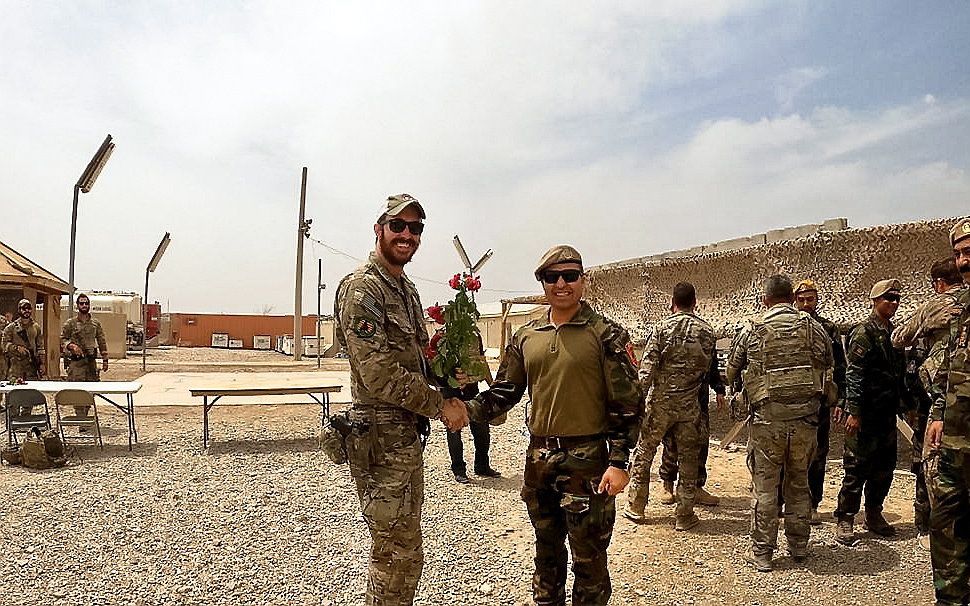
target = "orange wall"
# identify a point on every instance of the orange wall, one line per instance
(195, 330)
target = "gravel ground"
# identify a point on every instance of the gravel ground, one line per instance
(264, 518)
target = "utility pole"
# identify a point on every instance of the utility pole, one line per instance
(301, 232)
(320, 287)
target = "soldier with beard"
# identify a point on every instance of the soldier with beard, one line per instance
(380, 321)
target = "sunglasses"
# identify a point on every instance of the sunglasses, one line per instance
(892, 297)
(569, 276)
(397, 226)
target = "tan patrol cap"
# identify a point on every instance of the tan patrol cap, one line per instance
(395, 204)
(883, 286)
(558, 254)
(806, 286)
(23, 302)
(960, 231)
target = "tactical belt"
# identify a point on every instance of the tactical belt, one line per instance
(564, 443)
(378, 416)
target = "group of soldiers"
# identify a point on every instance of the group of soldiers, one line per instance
(598, 415)
(24, 353)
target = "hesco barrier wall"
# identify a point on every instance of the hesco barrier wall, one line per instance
(844, 263)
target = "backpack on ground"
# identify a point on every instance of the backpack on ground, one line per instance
(42, 449)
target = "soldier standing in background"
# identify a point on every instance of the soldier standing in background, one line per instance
(785, 358)
(668, 462)
(82, 339)
(5, 319)
(23, 343)
(874, 395)
(675, 364)
(586, 409)
(806, 300)
(379, 320)
(926, 332)
(949, 434)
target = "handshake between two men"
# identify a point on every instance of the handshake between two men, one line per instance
(454, 414)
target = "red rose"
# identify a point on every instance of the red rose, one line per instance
(455, 282)
(430, 352)
(476, 284)
(434, 340)
(436, 313)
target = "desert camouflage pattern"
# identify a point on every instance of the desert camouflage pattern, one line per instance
(931, 324)
(89, 336)
(379, 320)
(20, 365)
(3, 354)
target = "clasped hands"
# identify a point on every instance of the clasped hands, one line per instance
(454, 414)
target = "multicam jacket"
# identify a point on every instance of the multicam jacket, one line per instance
(12, 339)
(380, 321)
(581, 377)
(86, 334)
(952, 403)
(676, 362)
(930, 323)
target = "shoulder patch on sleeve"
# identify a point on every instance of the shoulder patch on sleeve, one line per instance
(367, 303)
(364, 328)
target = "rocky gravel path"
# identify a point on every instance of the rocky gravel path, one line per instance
(264, 518)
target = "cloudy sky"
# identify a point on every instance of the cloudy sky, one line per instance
(624, 128)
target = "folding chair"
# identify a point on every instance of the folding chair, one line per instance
(71, 398)
(20, 398)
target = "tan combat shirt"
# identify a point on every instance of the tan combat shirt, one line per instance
(930, 321)
(12, 339)
(86, 334)
(380, 322)
(676, 362)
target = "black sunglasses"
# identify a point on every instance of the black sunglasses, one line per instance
(398, 225)
(569, 276)
(893, 297)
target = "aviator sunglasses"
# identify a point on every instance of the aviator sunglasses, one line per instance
(893, 297)
(569, 276)
(398, 225)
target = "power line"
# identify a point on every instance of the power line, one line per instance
(337, 251)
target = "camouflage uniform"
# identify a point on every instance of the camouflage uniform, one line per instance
(875, 394)
(668, 461)
(87, 334)
(786, 362)
(816, 470)
(926, 332)
(950, 516)
(20, 364)
(3, 354)
(586, 409)
(675, 364)
(379, 320)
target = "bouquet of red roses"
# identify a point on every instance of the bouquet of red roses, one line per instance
(457, 344)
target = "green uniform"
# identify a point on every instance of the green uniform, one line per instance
(875, 394)
(379, 320)
(785, 359)
(926, 331)
(23, 365)
(950, 516)
(87, 334)
(675, 365)
(586, 409)
(816, 470)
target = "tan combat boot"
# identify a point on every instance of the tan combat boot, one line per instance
(877, 524)
(702, 497)
(667, 496)
(844, 533)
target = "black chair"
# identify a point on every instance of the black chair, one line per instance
(18, 399)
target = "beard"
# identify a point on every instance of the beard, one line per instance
(964, 268)
(392, 254)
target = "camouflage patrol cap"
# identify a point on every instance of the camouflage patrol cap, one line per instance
(558, 254)
(23, 302)
(960, 231)
(806, 286)
(883, 286)
(395, 204)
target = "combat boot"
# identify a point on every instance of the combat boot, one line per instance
(814, 518)
(844, 533)
(667, 496)
(633, 513)
(687, 522)
(877, 524)
(761, 562)
(702, 497)
(799, 554)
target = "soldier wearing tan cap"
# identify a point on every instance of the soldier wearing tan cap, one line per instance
(874, 394)
(949, 433)
(586, 409)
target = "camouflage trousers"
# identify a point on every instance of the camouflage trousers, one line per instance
(921, 499)
(775, 447)
(558, 493)
(20, 367)
(388, 469)
(869, 459)
(85, 369)
(668, 459)
(659, 423)
(950, 527)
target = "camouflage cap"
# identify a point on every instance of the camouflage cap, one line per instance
(883, 286)
(960, 231)
(806, 286)
(23, 302)
(558, 254)
(395, 204)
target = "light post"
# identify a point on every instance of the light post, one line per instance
(152, 265)
(472, 269)
(84, 184)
